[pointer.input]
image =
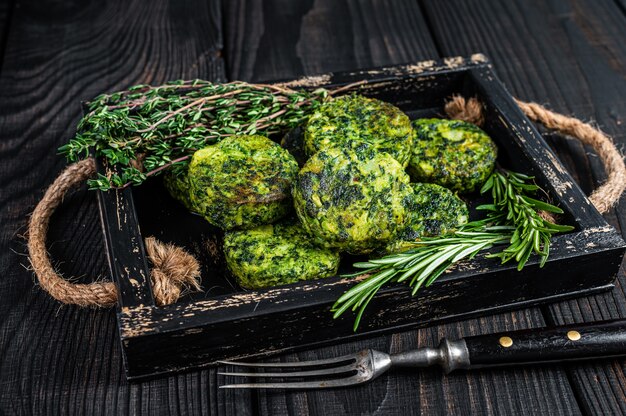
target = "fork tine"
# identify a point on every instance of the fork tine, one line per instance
(287, 374)
(341, 382)
(294, 364)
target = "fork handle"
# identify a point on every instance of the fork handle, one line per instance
(570, 342)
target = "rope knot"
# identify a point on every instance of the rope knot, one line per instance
(471, 111)
(174, 271)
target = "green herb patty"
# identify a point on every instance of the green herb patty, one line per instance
(432, 210)
(451, 153)
(241, 182)
(273, 255)
(357, 118)
(350, 198)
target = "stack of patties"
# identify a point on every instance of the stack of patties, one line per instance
(351, 195)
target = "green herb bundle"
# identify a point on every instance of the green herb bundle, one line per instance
(144, 130)
(512, 218)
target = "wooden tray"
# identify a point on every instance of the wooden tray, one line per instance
(226, 322)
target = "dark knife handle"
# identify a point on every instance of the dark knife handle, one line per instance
(571, 342)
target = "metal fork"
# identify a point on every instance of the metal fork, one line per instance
(573, 342)
(347, 370)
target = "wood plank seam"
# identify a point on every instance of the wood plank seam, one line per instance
(430, 29)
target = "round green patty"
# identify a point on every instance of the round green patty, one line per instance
(241, 182)
(273, 255)
(432, 210)
(351, 198)
(451, 153)
(357, 118)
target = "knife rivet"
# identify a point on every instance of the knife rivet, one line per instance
(573, 335)
(506, 342)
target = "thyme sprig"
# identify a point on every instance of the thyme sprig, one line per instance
(144, 130)
(512, 218)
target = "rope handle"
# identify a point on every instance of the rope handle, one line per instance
(175, 270)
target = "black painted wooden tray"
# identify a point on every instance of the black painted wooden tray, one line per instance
(226, 322)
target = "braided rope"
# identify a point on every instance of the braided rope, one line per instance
(173, 268)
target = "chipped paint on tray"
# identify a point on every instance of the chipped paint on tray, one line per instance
(310, 81)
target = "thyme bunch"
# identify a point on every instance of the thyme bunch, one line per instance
(512, 218)
(144, 130)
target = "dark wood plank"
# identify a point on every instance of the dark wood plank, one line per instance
(286, 39)
(571, 56)
(6, 10)
(57, 359)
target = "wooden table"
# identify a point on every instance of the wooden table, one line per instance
(570, 55)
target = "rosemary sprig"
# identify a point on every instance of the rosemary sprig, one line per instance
(510, 192)
(144, 130)
(419, 266)
(511, 219)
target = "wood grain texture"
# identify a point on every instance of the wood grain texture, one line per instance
(304, 38)
(6, 10)
(570, 55)
(284, 39)
(59, 359)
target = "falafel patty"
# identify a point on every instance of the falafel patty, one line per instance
(357, 118)
(273, 255)
(241, 182)
(451, 153)
(432, 211)
(351, 198)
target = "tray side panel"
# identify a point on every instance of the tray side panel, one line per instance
(124, 247)
(203, 341)
(503, 116)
